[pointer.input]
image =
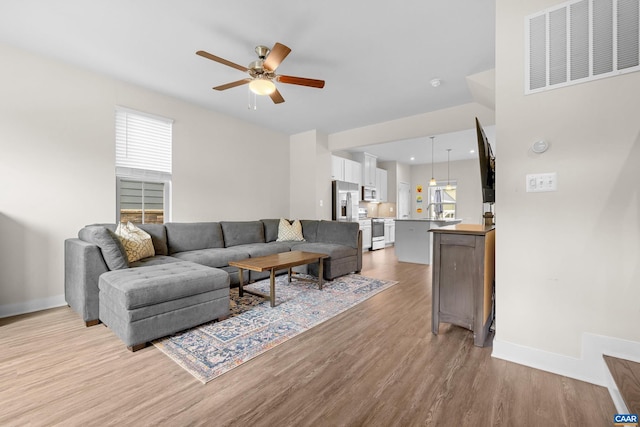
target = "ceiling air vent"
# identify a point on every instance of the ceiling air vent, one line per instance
(579, 41)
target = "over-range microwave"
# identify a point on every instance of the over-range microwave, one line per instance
(369, 194)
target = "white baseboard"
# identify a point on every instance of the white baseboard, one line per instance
(589, 367)
(32, 305)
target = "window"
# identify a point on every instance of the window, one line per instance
(141, 202)
(442, 201)
(143, 167)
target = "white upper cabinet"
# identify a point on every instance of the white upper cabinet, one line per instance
(381, 184)
(337, 168)
(369, 164)
(352, 171)
(346, 170)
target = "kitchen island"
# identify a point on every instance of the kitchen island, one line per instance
(413, 240)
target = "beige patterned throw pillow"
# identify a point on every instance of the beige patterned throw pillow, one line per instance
(137, 243)
(289, 232)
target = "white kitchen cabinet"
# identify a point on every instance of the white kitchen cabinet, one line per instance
(389, 232)
(365, 227)
(381, 184)
(337, 168)
(346, 170)
(352, 171)
(369, 170)
(369, 163)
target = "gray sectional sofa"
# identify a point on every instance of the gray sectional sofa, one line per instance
(186, 282)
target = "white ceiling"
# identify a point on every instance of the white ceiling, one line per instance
(463, 145)
(377, 58)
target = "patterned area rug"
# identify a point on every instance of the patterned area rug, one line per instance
(212, 349)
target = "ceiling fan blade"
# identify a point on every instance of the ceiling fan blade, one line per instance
(301, 81)
(232, 84)
(276, 56)
(221, 60)
(276, 97)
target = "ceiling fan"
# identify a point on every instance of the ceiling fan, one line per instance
(263, 72)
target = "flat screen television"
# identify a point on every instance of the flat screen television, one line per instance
(487, 166)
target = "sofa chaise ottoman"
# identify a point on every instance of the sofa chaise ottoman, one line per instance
(142, 304)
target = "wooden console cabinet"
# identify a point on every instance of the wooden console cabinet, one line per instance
(463, 278)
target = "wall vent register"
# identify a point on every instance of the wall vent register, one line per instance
(579, 41)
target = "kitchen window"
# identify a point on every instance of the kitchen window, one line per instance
(143, 167)
(442, 201)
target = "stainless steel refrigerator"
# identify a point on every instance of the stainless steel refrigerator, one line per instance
(345, 198)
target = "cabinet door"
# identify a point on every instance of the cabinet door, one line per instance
(352, 171)
(337, 168)
(387, 234)
(369, 170)
(457, 270)
(366, 237)
(392, 233)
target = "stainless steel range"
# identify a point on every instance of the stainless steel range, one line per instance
(377, 234)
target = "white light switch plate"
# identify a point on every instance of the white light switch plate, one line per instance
(538, 182)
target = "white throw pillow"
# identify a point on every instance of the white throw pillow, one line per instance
(137, 243)
(290, 232)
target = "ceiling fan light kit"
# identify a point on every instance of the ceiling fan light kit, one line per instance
(262, 86)
(262, 72)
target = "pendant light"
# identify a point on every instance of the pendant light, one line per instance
(448, 187)
(432, 182)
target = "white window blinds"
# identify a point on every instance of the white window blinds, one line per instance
(143, 142)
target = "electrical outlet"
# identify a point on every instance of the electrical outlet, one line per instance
(320, 202)
(539, 182)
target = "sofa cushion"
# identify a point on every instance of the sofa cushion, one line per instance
(140, 287)
(331, 249)
(270, 229)
(242, 232)
(193, 236)
(159, 237)
(137, 243)
(215, 257)
(262, 249)
(284, 244)
(309, 229)
(110, 245)
(340, 233)
(289, 231)
(154, 260)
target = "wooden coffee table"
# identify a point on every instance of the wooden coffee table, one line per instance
(278, 262)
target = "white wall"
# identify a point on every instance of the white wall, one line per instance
(566, 261)
(466, 173)
(323, 178)
(310, 167)
(392, 181)
(57, 168)
(303, 175)
(404, 173)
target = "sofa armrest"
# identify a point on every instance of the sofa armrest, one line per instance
(338, 232)
(83, 265)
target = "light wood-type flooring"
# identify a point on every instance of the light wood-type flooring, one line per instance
(377, 364)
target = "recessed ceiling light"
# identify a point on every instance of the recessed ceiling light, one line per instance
(412, 158)
(435, 82)
(472, 151)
